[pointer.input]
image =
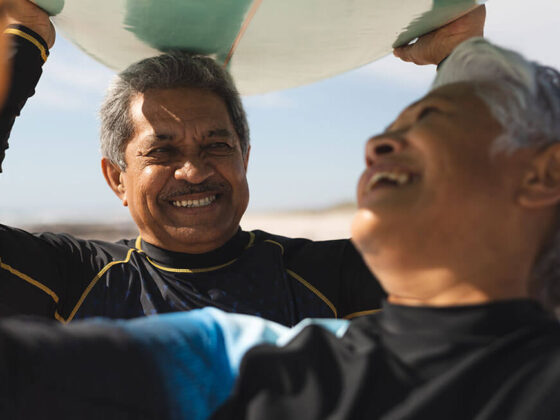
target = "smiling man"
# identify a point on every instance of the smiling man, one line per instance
(184, 177)
(458, 218)
(175, 146)
(176, 149)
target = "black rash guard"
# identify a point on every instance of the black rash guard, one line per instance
(485, 362)
(62, 277)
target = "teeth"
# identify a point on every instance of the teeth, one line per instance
(398, 178)
(195, 203)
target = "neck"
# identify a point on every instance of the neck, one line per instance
(444, 287)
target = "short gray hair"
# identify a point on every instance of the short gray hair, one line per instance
(174, 69)
(524, 97)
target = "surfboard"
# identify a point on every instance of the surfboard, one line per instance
(266, 44)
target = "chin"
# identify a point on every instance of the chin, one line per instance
(364, 227)
(197, 234)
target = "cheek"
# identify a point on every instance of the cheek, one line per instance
(146, 183)
(464, 201)
(241, 194)
(235, 174)
(461, 172)
(361, 185)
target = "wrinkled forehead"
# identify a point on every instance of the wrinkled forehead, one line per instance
(487, 91)
(454, 111)
(178, 106)
(461, 98)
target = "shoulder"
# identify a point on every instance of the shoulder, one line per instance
(293, 247)
(71, 244)
(531, 389)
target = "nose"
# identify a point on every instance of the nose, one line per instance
(382, 145)
(194, 170)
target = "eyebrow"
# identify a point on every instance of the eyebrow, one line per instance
(438, 97)
(155, 137)
(162, 137)
(220, 132)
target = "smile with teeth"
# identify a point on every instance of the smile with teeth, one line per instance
(391, 178)
(206, 201)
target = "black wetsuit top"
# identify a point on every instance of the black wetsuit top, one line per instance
(499, 361)
(62, 277)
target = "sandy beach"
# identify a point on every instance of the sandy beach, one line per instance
(332, 223)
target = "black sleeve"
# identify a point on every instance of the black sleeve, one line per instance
(44, 274)
(47, 274)
(360, 292)
(336, 270)
(29, 52)
(87, 371)
(21, 293)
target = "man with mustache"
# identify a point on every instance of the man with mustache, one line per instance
(175, 146)
(468, 330)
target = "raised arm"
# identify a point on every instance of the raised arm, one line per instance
(31, 34)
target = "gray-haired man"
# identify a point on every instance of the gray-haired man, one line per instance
(176, 149)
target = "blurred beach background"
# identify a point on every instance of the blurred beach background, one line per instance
(317, 224)
(307, 142)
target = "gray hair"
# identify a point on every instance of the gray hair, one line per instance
(524, 97)
(168, 71)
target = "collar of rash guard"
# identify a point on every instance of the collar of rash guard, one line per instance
(231, 250)
(491, 319)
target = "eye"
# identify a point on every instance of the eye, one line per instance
(219, 148)
(426, 111)
(159, 151)
(219, 145)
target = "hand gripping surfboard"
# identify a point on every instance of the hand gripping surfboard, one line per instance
(266, 44)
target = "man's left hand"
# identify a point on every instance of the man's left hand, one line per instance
(433, 47)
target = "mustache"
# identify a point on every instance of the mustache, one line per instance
(187, 188)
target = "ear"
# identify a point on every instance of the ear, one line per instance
(541, 182)
(114, 177)
(246, 158)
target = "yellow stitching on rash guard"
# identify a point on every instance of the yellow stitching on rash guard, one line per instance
(251, 240)
(17, 32)
(29, 280)
(59, 317)
(276, 243)
(314, 290)
(93, 283)
(190, 270)
(138, 243)
(361, 313)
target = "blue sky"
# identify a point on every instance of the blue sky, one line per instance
(307, 142)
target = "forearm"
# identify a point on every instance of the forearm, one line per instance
(166, 367)
(46, 368)
(174, 366)
(27, 55)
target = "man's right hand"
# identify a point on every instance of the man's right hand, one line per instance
(433, 47)
(23, 12)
